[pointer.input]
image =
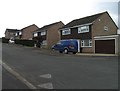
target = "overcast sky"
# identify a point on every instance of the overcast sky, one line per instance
(17, 14)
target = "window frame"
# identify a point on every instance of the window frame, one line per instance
(35, 34)
(106, 28)
(83, 43)
(68, 32)
(20, 33)
(81, 30)
(43, 33)
(16, 34)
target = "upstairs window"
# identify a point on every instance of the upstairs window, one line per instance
(66, 32)
(35, 34)
(16, 34)
(20, 33)
(43, 33)
(83, 29)
(105, 28)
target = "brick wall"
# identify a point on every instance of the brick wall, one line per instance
(53, 35)
(98, 28)
(27, 33)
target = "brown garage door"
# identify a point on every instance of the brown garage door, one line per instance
(105, 46)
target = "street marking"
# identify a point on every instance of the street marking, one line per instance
(18, 76)
(46, 76)
(46, 85)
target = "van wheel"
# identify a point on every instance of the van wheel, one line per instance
(66, 51)
(74, 52)
(60, 51)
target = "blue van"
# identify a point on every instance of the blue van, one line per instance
(65, 46)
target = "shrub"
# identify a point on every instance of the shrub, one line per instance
(25, 42)
(5, 40)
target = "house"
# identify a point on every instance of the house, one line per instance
(11, 33)
(18, 34)
(48, 34)
(27, 32)
(96, 33)
(118, 31)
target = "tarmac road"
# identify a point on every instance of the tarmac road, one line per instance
(62, 71)
(11, 82)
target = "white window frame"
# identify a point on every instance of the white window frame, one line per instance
(90, 43)
(16, 34)
(35, 34)
(20, 33)
(83, 43)
(81, 28)
(105, 28)
(43, 33)
(66, 32)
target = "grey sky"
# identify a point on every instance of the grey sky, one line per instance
(17, 14)
(111, 7)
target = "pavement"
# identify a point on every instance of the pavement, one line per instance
(43, 70)
(95, 54)
(52, 52)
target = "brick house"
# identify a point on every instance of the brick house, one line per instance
(27, 32)
(11, 33)
(48, 34)
(18, 34)
(97, 33)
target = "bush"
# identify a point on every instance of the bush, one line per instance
(5, 40)
(25, 42)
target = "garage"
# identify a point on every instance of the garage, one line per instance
(105, 46)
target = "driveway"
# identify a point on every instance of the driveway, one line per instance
(60, 71)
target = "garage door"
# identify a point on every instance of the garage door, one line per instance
(105, 46)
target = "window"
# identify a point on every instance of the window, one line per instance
(105, 28)
(44, 42)
(82, 43)
(86, 43)
(83, 29)
(16, 34)
(43, 33)
(35, 34)
(20, 33)
(90, 43)
(66, 32)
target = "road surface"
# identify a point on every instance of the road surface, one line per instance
(44, 70)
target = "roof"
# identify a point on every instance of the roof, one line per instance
(12, 30)
(84, 20)
(47, 26)
(30, 26)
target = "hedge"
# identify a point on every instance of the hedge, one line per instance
(25, 42)
(5, 40)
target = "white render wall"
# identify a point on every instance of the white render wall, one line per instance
(118, 31)
(119, 44)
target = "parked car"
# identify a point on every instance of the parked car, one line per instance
(11, 41)
(65, 46)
